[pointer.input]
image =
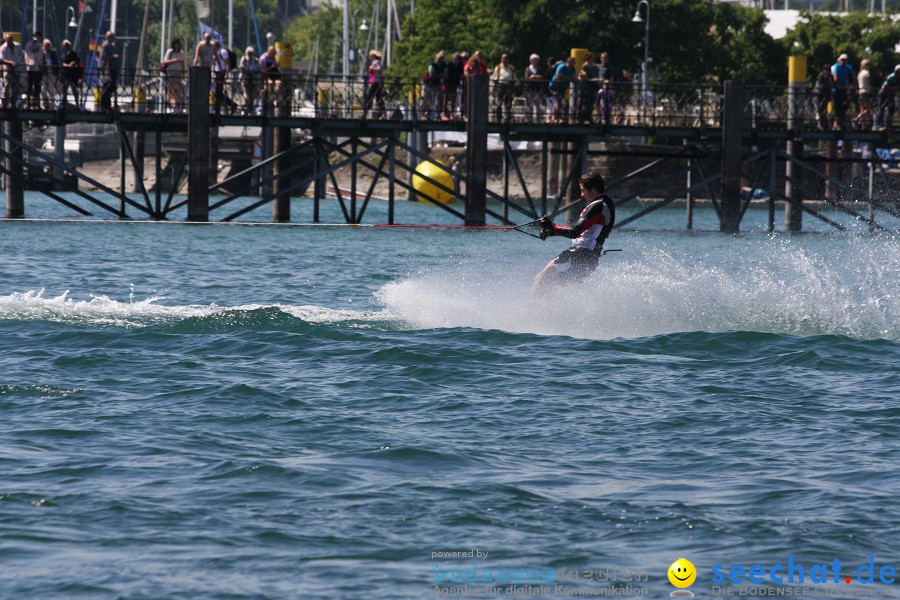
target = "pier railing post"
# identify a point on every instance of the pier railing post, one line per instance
(281, 207)
(476, 150)
(732, 144)
(15, 189)
(198, 145)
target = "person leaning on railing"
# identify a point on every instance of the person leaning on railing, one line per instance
(268, 66)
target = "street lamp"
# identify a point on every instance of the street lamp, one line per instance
(71, 20)
(638, 19)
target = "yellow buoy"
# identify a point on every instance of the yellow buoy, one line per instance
(438, 174)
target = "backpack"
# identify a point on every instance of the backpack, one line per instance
(232, 60)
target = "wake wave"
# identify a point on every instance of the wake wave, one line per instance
(773, 287)
(104, 311)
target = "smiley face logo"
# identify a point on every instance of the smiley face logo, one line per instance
(682, 573)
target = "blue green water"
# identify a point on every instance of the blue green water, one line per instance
(295, 412)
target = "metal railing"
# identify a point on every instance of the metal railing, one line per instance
(336, 97)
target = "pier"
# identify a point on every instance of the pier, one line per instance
(667, 143)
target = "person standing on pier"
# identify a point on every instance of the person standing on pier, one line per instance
(887, 102)
(249, 68)
(433, 99)
(34, 65)
(823, 93)
(375, 85)
(473, 66)
(268, 67)
(589, 85)
(110, 62)
(844, 79)
(220, 68)
(173, 66)
(504, 78)
(204, 52)
(606, 74)
(72, 72)
(51, 88)
(9, 61)
(588, 234)
(866, 95)
(535, 84)
(562, 76)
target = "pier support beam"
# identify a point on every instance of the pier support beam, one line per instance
(732, 143)
(198, 145)
(15, 189)
(281, 207)
(793, 211)
(476, 150)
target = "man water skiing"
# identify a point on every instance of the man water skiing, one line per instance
(589, 232)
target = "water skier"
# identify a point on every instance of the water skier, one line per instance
(594, 224)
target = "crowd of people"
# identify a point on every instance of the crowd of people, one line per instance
(839, 88)
(556, 91)
(35, 75)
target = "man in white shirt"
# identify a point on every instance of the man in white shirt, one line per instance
(9, 63)
(220, 68)
(34, 65)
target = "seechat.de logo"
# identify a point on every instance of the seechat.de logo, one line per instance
(682, 574)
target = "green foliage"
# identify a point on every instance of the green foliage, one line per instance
(323, 26)
(822, 38)
(690, 40)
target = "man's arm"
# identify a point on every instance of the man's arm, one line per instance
(594, 215)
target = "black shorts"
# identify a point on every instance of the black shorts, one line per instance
(575, 264)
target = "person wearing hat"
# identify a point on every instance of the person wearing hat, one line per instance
(844, 79)
(887, 103)
(535, 83)
(249, 73)
(374, 85)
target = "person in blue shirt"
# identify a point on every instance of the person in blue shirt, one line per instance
(887, 102)
(844, 80)
(563, 75)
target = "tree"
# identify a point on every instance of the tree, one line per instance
(822, 38)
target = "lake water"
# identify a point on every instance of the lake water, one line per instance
(236, 411)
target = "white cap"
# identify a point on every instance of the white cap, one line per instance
(843, 57)
(534, 56)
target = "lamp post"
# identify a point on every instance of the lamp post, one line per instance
(638, 19)
(70, 21)
(346, 45)
(364, 27)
